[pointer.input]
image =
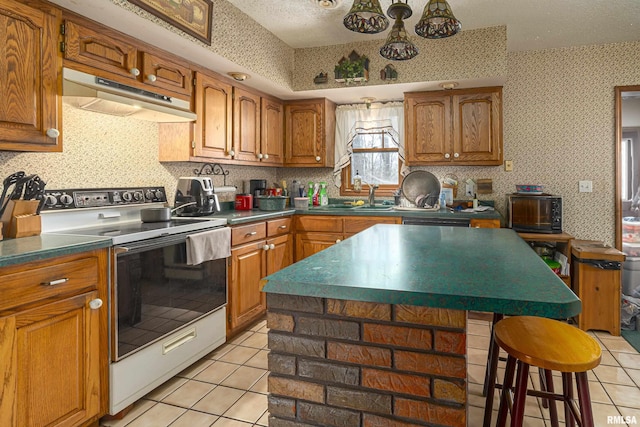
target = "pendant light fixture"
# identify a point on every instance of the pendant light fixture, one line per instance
(366, 16)
(437, 21)
(398, 47)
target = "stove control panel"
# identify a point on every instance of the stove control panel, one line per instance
(99, 197)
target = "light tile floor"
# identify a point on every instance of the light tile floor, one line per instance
(228, 388)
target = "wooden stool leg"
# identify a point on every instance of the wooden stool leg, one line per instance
(584, 399)
(492, 359)
(567, 391)
(491, 373)
(551, 403)
(517, 414)
(543, 386)
(506, 389)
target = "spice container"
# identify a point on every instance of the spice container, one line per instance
(301, 203)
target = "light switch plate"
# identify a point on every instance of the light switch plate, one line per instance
(585, 186)
(508, 165)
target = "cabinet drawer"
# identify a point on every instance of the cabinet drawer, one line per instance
(248, 233)
(276, 227)
(48, 280)
(356, 225)
(331, 224)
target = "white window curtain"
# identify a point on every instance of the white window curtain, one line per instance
(358, 118)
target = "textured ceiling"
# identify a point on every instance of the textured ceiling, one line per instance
(531, 24)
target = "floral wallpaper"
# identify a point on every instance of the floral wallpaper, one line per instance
(103, 151)
(472, 54)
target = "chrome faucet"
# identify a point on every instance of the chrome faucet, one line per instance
(372, 193)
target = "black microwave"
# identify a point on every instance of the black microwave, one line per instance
(531, 213)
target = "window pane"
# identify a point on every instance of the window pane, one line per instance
(368, 140)
(376, 168)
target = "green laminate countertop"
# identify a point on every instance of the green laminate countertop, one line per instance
(27, 249)
(234, 217)
(482, 269)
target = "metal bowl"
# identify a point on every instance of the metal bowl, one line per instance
(421, 183)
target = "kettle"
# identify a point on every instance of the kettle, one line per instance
(197, 191)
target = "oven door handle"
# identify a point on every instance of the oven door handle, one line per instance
(147, 245)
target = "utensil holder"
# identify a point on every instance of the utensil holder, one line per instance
(20, 219)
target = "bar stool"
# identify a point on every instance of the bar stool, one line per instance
(553, 346)
(491, 373)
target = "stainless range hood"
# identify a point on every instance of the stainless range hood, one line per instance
(88, 92)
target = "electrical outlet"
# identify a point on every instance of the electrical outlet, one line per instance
(508, 165)
(585, 186)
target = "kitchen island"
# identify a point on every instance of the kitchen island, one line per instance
(372, 331)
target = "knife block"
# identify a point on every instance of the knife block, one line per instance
(20, 219)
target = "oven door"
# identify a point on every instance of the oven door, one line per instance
(156, 293)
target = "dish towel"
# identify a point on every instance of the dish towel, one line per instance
(208, 245)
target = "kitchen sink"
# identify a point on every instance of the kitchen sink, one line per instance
(334, 206)
(375, 208)
(342, 207)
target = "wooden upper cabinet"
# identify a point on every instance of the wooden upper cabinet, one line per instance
(214, 108)
(428, 127)
(459, 126)
(163, 73)
(100, 50)
(309, 133)
(246, 125)
(271, 134)
(104, 52)
(477, 127)
(30, 118)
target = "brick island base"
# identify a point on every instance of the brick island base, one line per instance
(348, 363)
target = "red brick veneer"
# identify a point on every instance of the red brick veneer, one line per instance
(347, 363)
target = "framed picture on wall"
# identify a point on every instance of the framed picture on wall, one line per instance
(191, 16)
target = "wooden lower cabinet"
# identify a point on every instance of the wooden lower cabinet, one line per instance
(246, 302)
(280, 254)
(312, 242)
(317, 232)
(53, 344)
(484, 223)
(257, 250)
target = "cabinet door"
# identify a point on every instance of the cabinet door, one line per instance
(214, 108)
(246, 125)
(303, 138)
(165, 74)
(246, 301)
(428, 129)
(29, 68)
(55, 350)
(271, 140)
(280, 253)
(477, 125)
(484, 223)
(353, 225)
(308, 244)
(100, 51)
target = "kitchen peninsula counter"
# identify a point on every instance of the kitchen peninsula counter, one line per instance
(490, 270)
(373, 330)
